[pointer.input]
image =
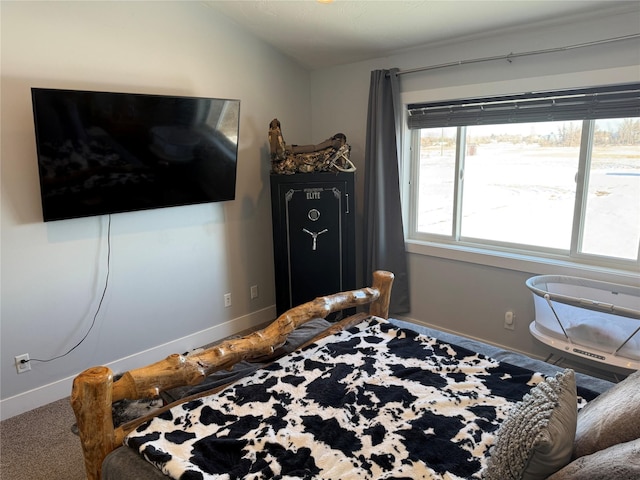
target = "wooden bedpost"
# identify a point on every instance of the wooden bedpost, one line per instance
(91, 402)
(94, 390)
(382, 281)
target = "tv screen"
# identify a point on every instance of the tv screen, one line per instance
(101, 152)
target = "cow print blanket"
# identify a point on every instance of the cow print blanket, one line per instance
(373, 402)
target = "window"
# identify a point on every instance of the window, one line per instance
(552, 173)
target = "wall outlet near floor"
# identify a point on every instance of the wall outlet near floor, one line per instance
(254, 291)
(510, 320)
(227, 299)
(22, 363)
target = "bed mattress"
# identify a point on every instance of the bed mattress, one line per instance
(342, 412)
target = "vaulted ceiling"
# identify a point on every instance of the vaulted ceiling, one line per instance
(325, 33)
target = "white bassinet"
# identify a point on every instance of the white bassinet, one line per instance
(590, 319)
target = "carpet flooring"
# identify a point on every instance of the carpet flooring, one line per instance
(39, 445)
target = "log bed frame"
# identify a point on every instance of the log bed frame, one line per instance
(94, 390)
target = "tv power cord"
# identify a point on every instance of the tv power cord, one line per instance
(95, 316)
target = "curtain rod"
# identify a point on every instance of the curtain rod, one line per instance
(521, 54)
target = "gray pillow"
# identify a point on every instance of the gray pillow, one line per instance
(536, 438)
(619, 462)
(612, 417)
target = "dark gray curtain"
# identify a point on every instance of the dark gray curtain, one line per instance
(383, 231)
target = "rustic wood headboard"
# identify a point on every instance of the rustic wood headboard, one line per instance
(95, 390)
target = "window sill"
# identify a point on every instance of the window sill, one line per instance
(521, 262)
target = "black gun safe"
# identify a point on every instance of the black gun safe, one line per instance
(313, 236)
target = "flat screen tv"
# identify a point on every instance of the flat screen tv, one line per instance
(101, 152)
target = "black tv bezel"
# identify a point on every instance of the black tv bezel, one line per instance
(52, 214)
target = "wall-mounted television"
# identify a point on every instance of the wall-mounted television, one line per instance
(101, 152)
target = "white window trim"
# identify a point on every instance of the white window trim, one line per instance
(520, 262)
(516, 261)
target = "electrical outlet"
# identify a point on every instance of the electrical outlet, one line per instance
(510, 320)
(254, 291)
(227, 299)
(22, 363)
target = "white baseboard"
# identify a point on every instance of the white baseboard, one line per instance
(23, 402)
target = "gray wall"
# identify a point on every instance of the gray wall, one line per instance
(455, 290)
(171, 267)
